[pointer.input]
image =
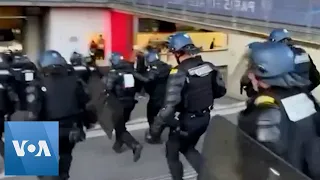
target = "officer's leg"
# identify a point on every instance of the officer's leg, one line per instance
(65, 159)
(187, 148)
(172, 155)
(150, 114)
(153, 108)
(120, 128)
(128, 139)
(188, 143)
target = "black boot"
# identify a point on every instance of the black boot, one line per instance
(133, 144)
(117, 146)
(152, 140)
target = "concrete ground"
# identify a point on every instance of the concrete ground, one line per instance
(94, 158)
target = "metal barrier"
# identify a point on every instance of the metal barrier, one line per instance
(300, 17)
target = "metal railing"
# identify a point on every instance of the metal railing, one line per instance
(300, 17)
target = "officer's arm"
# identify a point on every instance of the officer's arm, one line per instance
(218, 84)
(151, 74)
(314, 75)
(35, 97)
(110, 80)
(268, 123)
(82, 94)
(175, 86)
(139, 77)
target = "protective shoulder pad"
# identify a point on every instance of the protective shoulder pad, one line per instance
(202, 70)
(173, 71)
(264, 100)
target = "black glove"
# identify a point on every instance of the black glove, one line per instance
(76, 134)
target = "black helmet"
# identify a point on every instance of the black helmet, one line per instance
(76, 58)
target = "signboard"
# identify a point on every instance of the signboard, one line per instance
(294, 12)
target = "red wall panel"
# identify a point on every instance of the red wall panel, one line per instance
(121, 33)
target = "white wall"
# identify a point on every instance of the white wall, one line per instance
(31, 42)
(64, 23)
(237, 47)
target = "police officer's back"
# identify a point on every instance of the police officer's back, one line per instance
(120, 82)
(157, 72)
(64, 100)
(25, 85)
(191, 89)
(304, 63)
(82, 70)
(282, 115)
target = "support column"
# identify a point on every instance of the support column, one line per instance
(32, 39)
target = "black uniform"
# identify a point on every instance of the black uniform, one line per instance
(306, 67)
(26, 79)
(115, 83)
(7, 98)
(140, 68)
(291, 135)
(64, 100)
(192, 87)
(157, 74)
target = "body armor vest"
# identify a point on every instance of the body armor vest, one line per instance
(157, 88)
(198, 93)
(125, 87)
(60, 95)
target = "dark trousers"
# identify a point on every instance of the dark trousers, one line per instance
(177, 144)
(122, 135)
(65, 157)
(153, 107)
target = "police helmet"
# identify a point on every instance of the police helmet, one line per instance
(151, 56)
(51, 57)
(116, 58)
(76, 58)
(278, 35)
(6, 57)
(181, 42)
(270, 59)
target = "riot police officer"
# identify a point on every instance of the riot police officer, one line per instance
(303, 61)
(7, 96)
(191, 89)
(121, 82)
(25, 73)
(157, 73)
(282, 115)
(64, 100)
(80, 67)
